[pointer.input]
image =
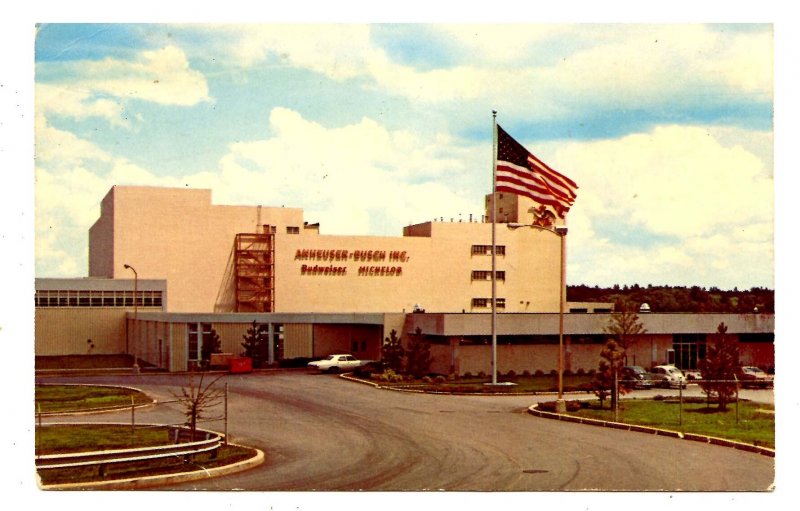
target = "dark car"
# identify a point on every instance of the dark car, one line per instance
(636, 377)
(754, 377)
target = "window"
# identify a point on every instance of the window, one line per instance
(198, 333)
(487, 249)
(482, 303)
(487, 275)
(292, 230)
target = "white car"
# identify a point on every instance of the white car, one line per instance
(668, 376)
(335, 363)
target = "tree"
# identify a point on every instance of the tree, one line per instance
(719, 368)
(612, 358)
(256, 344)
(418, 356)
(211, 344)
(623, 326)
(392, 352)
(196, 399)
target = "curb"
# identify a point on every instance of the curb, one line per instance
(139, 483)
(765, 451)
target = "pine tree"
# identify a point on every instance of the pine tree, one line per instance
(211, 344)
(256, 344)
(719, 368)
(418, 356)
(392, 352)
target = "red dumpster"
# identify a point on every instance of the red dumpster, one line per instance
(241, 365)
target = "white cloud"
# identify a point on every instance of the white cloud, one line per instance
(542, 67)
(77, 103)
(699, 210)
(103, 88)
(674, 181)
(336, 172)
(162, 76)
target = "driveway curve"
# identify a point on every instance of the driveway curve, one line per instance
(319, 432)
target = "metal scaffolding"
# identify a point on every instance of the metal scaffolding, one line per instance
(255, 271)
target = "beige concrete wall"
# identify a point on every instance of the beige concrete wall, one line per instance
(231, 336)
(434, 272)
(177, 235)
(180, 236)
(101, 240)
(298, 340)
(646, 352)
(179, 353)
(65, 330)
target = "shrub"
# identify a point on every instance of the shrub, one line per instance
(526, 373)
(451, 377)
(426, 379)
(440, 380)
(511, 374)
(410, 378)
(539, 372)
(581, 372)
(567, 372)
(467, 375)
(481, 375)
(553, 372)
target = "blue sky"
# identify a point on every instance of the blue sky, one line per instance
(666, 128)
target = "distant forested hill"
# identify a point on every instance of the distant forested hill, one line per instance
(676, 298)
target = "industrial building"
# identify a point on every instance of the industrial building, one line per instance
(167, 266)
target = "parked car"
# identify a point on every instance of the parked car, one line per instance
(335, 363)
(752, 376)
(636, 377)
(669, 376)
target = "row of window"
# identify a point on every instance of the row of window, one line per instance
(482, 303)
(487, 275)
(487, 250)
(92, 298)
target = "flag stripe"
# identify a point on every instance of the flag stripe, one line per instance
(512, 173)
(520, 172)
(558, 207)
(551, 179)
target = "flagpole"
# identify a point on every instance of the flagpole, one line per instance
(494, 248)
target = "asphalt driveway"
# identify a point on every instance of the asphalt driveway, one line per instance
(320, 432)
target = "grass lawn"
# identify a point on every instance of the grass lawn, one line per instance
(71, 438)
(76, 398)
(65, 438)
(522, 384)
(755, 425)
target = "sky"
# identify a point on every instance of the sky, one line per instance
(667, 128)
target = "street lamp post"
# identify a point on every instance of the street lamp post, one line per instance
(135, 318)
(561, 232)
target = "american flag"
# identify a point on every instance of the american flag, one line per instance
(522, 173)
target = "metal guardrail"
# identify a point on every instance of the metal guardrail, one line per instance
(212, 442)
